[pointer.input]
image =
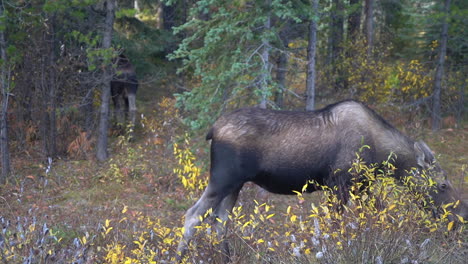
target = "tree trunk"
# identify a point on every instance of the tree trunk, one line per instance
(335, 41)
(168, 14)
(311, 50)
(282, 65)
(436, 112)
(4, 149)
(48, 93)
(266, 62)
(51, 136)
(354, 18)
(369, 26)
(336, 30)
(44, 104)
(128, 4)
(102, 154)
(137, 5)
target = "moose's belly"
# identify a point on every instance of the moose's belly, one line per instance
(286, 181)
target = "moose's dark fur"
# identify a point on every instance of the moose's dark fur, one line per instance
(281, 150)
(124, 86)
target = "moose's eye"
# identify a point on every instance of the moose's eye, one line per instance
(443, 186)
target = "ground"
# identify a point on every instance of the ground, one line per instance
(77, 197)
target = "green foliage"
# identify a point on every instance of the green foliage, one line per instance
(394, 21)
(458, 32)
(97, 57)
(125, 13)
(224, 54)
(421, 26)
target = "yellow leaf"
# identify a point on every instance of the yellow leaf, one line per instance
(298, 193)
(108, 230)
(168, 240)
(137, 243)
(293, 218)
(450, 226)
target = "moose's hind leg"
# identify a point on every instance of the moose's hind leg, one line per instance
(222, 212)
(220, 198)
(209, 200)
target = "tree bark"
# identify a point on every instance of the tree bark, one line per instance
(336, 30)
(168, 14)
(436, 111)
(53, 103)
(102, 153)
(281, 71)
(354, 18)
(48, 89)
(311, 50)
(4, 148)
(369, 26)
(266, 63)
(44, 103)
(137, 5)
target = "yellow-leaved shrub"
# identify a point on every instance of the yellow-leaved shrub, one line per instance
(186, 168)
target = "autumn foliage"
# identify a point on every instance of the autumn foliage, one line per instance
(384, 221)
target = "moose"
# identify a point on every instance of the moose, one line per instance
(282, 150)
(124, 85)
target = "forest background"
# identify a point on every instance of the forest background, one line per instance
(61, 167)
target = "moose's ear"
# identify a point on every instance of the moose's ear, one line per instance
(424, 156)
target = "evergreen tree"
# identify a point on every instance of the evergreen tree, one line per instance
(224, 51)
(5, 94)
(101, 153)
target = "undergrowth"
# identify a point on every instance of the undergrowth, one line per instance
(389, 222)
(385, 221)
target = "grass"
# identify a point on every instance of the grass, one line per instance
(131, 209)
